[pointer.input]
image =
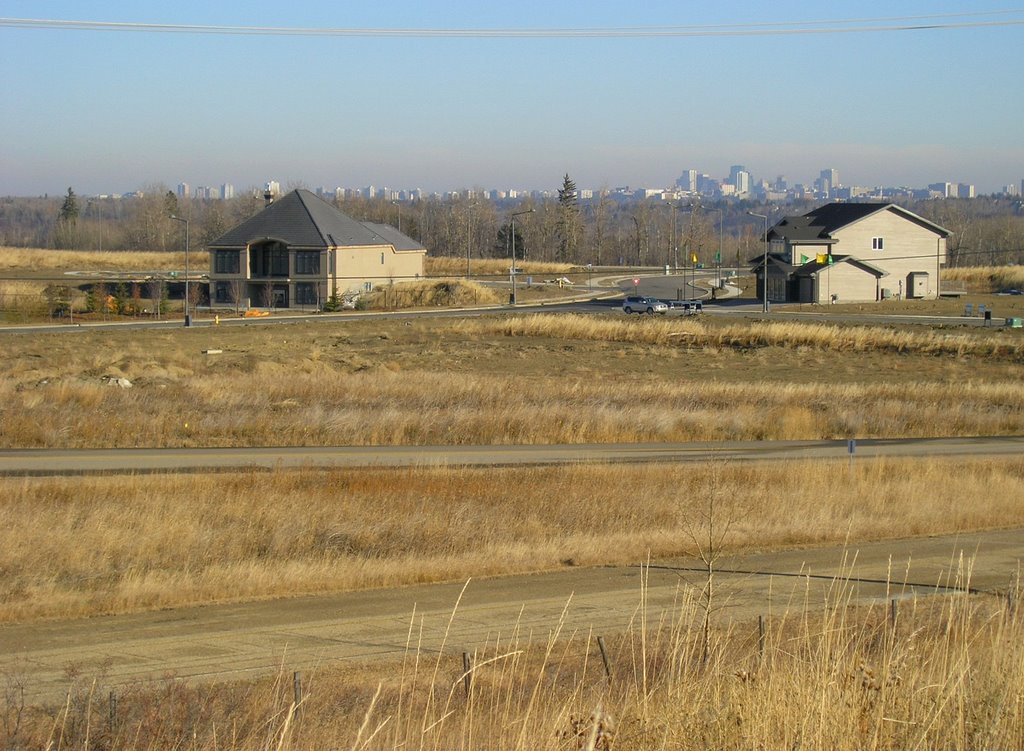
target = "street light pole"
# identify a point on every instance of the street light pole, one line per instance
(674, 245)
(764, 268)
(512, 270)
(469, 237)
(637, 223)
(188, 315)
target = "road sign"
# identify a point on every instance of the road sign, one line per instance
(636, 282)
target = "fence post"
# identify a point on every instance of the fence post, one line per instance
(892, 614)
(467, 675)
(760, 636)
(604, 658)
(296, 692)
(112, 712)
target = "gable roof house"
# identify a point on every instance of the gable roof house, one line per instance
(300, 251)
(853, 252)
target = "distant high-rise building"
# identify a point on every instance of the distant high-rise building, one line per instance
(227, 191)
(964, 190)
(273, 187)
(739, 179)
(184, 191)
(706, 184)
(688, 181)
(827, 182)
(945, 190)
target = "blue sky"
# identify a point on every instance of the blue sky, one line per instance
(110, 111)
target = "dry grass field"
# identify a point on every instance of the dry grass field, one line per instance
(47, 259)
(951, 676)
(528, 379)
(89, 545)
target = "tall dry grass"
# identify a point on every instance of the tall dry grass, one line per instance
(47, 259)
(181, 402)
(452, 266)
(23, 298)
(948, 675)
(987, 278)
(695, 333)
(88, 545)
(523, 380)
(424, 294)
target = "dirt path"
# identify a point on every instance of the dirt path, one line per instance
(76, 461)
(226, 642)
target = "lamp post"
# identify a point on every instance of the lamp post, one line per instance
(399, 205)
(764, 268)
(469, 237)
(188, 315)
(637, 223)
(512, 271)
(674, 246)
(718, 258)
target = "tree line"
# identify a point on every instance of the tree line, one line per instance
(605, 230)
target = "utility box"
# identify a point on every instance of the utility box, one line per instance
(917, 284)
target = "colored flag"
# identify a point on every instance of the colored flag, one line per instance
(694, 258)
(821, 258)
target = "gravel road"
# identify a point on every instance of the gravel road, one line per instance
(231, 641)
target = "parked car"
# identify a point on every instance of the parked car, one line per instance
(647, 305)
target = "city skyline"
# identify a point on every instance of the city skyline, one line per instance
(911, 100)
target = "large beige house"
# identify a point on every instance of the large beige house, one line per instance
(853, 252)
(300, 251)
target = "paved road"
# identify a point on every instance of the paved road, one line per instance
(75, 461)
(223, 642)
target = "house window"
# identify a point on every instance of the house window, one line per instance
(225, 262)
(305, 293)
(876, 243)
(268, 259)
(223, 292)
(307, 262)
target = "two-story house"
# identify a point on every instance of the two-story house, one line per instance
(853, 252)
(299, 251)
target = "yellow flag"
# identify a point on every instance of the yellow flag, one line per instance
(822, 258)
(694, 258)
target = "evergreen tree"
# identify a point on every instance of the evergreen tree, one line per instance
(567, 195)
(69, 210)
(569, 220)
(65, 234)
